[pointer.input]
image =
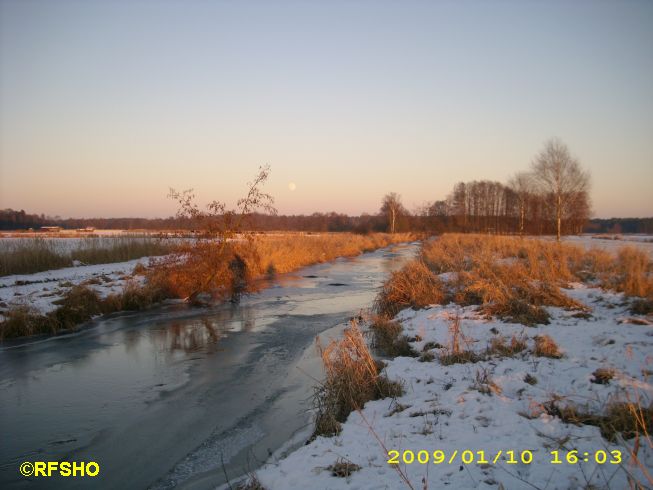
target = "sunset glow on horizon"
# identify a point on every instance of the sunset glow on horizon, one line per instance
(105, 105)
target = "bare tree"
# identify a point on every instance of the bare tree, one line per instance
(211, 264)
(560, 177)
(522, 185)
(392, 209)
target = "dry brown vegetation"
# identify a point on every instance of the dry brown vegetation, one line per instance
(628, 418)
(500, 346)
(545, 346)
(388, 338)
(352, 378)
(207, 266)
(29, 256)
(512, 278)
(219, 269)
(77, 306)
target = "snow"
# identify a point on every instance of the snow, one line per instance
(612, 245)
(442, 410)
(41, 290)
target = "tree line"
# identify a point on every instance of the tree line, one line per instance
(552, 197)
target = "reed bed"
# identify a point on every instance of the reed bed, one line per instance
(32, 255)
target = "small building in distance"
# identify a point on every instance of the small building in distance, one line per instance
(50, 229)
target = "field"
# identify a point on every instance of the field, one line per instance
(522, 363)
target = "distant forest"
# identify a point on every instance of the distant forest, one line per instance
(436, 217)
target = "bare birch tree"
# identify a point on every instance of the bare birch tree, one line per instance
(522, 185)
(561, 179)
(392, 209)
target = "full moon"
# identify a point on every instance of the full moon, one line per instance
(292, 186)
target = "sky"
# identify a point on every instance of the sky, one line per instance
(105, 105)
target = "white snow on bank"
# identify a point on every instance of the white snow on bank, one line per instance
(442, 408)
(41, 290)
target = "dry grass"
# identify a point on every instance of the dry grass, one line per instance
(458, 351)
(223, 270)
(210, 266)
(629, 419)
(251, 483)
(545, 346)
(352, 378)
(343, 468)
(291, 252)
(602, 376)
(77, 306)
(120, 249)
(500, 346)
(387, 337)
(510, 277)
(415, 285)
(29, 256)
(641, 307)
(483, 383)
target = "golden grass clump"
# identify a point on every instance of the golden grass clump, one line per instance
(545, 346)
(352, 378)
(415, 285)
(500, 346)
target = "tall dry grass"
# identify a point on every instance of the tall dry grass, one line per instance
(29, 256)
(352, 378)
(220, 269)
(510, 277)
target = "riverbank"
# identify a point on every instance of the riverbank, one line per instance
(53, 301)
(512, 389)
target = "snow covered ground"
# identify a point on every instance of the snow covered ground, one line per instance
(491, 406)
(41, 290)
(643, 242)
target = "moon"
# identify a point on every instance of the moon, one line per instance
(292, 186)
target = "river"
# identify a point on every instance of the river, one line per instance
(179, 396)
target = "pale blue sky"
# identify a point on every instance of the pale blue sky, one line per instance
(106, 104)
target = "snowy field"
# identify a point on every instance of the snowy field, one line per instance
(492, 407)
(40, 291)
(643, 242)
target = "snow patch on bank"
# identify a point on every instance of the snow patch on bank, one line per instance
(40, 291)
(443, 409)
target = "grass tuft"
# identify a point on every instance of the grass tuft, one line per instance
(352, 378)
(545, 346)
(387, 337)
